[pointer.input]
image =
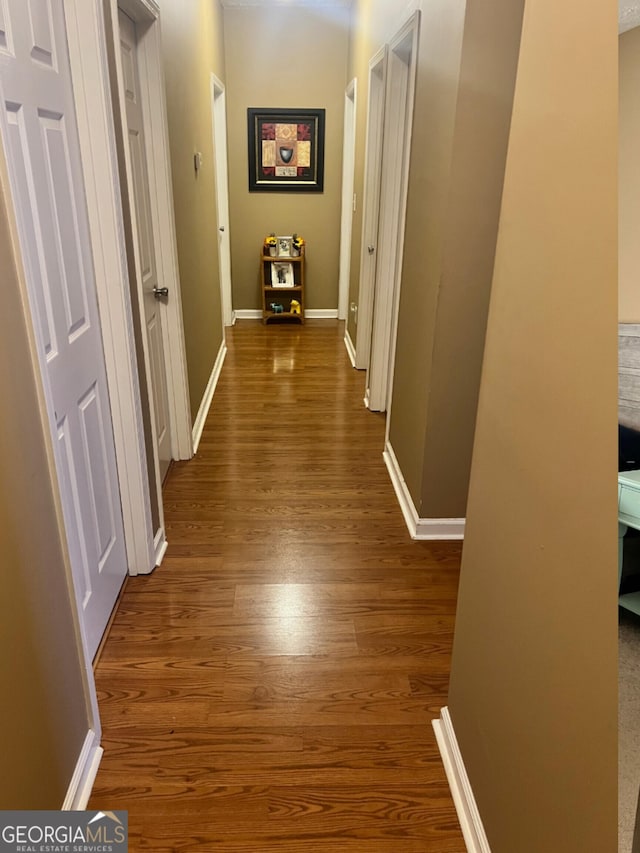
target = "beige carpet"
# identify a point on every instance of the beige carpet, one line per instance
(629, 729)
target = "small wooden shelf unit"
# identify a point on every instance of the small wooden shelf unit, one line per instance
(281, 295)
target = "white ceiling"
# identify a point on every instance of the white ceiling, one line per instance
(230, 3)
(628, 10)
(628, 14)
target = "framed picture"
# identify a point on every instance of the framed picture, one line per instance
(286, 150)
(284, 247)
(281, 275)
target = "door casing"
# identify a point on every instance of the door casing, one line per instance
(371, 205)
(398, 123)
(146, 15)
(89, 71)
(219, 129)
(348, 198)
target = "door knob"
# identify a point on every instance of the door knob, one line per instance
(221, 228)
(159, 292)
(371, 249)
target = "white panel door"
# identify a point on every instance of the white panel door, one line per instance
(40, 140)
(146, 245)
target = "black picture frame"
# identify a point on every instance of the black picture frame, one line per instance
(286, 150)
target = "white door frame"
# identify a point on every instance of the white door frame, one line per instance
(86, 39)
(371, 204)
(89, 72)
(348, 198)
(398, 123)
(219, 121)
(146, 16)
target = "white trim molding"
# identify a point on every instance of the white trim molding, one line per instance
(247, 314)
(351, 350)
(440, 528)
(321, 313)
(89, 68)
(84, 774)
(371, 204)
(310, 314)
(147, 9)
(464, 800)
(205, 405)
(402, 64)
(160, 545)
(419, 528)
(221, 169)
(348, 200)
(145, 15)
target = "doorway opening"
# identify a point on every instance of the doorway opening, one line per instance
(396, 143)
(219, 116)
(348, 198)
(371, 202)
(133, 40)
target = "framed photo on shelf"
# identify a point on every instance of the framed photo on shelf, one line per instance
(286, 150)
(282, 275)
(284, 246)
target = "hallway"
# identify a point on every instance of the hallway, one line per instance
(271, 686)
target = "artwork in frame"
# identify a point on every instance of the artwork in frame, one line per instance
(286, 150)
(284, 247)
(282, 275)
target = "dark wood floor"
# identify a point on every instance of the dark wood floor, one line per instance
(271, 686)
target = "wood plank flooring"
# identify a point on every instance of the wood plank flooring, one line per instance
(271, 686)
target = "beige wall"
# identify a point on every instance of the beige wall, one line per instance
(286, 57)
(193, 48)
(629, 177)
(466, 71)
(43, 714)
(533, 680)
(437, 83)
(373, 24)
(483, 114)
(434, 116)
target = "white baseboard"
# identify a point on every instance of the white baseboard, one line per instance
(310, 314)
(440, 528)
(248, 314)
(351, 350)
(419, 528)
(84, 775)
(160, 545)
(205, 405)
(470, 821)
(321, 313)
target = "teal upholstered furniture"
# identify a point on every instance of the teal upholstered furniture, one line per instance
(628, 516)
